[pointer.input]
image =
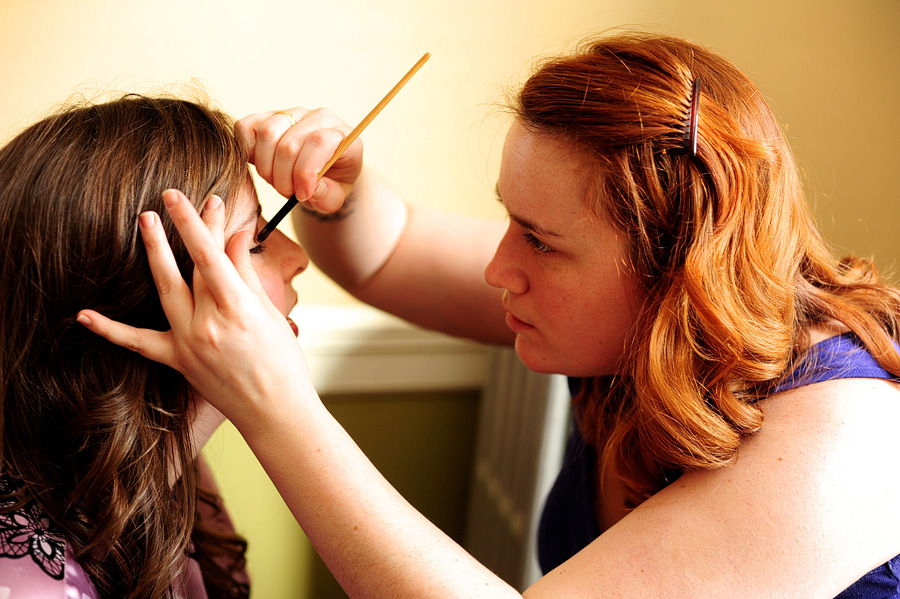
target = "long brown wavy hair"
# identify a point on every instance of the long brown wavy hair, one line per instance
(94, 432)
(722, 246)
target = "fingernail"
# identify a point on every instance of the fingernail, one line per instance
(170, 198)
(213, 202)
(146, 220)
(320, 191)
(83, 319)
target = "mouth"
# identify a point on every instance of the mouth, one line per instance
(517, 326)
(293, 326)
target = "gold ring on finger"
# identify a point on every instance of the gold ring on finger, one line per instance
(287, 115)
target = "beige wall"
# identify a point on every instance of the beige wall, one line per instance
(829, 66)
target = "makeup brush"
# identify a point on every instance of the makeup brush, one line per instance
(351, 137)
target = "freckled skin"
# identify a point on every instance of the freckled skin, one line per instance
(562, 268)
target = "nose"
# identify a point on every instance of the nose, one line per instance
(291, 258)
(504, 271)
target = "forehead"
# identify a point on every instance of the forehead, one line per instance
(244, 210)
(540, 170)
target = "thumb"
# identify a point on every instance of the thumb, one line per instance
(330, 197)
(238, 251)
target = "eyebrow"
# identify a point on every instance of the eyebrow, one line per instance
(525, 223)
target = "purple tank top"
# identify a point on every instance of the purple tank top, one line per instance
(568, 523)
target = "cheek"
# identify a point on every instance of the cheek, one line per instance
(587, 315)
(560, 295)
(273, 286)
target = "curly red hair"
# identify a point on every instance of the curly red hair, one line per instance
(722, 245)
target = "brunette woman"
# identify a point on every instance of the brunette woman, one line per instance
(101, 489)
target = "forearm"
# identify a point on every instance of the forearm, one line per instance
(420, 264)
(233, 345)
(372, 540)
(353, 244)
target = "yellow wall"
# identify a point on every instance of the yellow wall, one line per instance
(829, 66)
(421, 442)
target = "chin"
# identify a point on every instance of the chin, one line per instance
(543, 362)
(535, 361)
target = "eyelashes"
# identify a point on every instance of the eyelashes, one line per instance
(538, 245)
(259, 248)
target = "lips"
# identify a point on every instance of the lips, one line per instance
(518, 326)
(293, 326)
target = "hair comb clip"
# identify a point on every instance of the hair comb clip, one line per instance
(691, 122)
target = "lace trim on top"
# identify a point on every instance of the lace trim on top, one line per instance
(28, 532)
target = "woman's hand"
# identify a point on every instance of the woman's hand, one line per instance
(239, 352)
(227, 338)
(290, 147)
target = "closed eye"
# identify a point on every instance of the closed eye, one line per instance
(259, 248)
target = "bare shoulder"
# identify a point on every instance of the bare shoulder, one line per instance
(838, 440)
(808, 508)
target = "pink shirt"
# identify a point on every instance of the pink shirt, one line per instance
(36, 562)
